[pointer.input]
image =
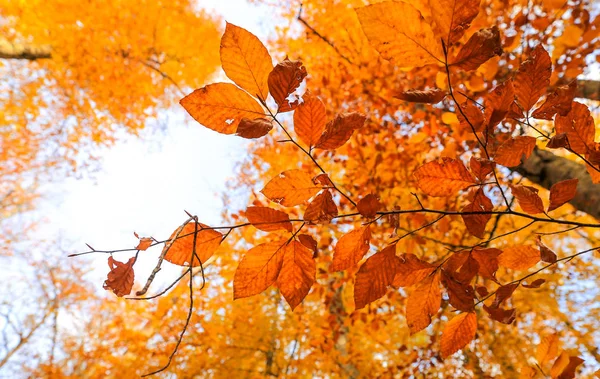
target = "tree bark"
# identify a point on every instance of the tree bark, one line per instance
(15, 50)
(547, 169)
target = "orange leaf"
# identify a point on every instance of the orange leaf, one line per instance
(533, 78)
(476, 223)
(562, 192)
(453, 17)
(548, 348)
(509, 154)
(444, 177)
(474, 117)
(258, 269)
(253, 128)
(375, 276)
(369, 205)
(482, 46)
(423, 303)
(180, 251)
(309, 242)
(297, 274)
(339, 130)
(519, 257)
(350, 248)
(121, 276)
(429, 96)
(411, 270)
(503, 293)
(488, 261)
(284, 80)
(578, 124)
(400, 34)
(268, 219)
(144, 244)
(221, 107)
(246, 60)
(321, 209)
(528, 199)
(481, 168)
(290, 188)
(565, 366)
(310, 119)
(500, 102)
(458, 333)
(559, 101)
(460, 295)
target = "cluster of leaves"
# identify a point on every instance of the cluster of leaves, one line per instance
(468, 277)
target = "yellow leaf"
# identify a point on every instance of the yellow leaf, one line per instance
(458, 333)
(400, 34)
(221, 107)
(246, 60)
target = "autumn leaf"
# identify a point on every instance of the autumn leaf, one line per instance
(533, 78)
(546, 254)
(505, 316)
(411, 270)
(423, 303)
(145, 242)
(460, 295)
(369, 205)
(528, 199)
(375, 276)
(504, 293)
(476, 223)
(473, 119)
(510, 153)
(309, 242)
(310, 119)
(562, 192)
(458, 333)
(121, 276)
(350, 248)
(519, 257)
(481, 168)
(180, 250)
(565, 366)
(500, 102)
(246, 60)
(488, 261)
(290, 188)
(221, 107)
(258, 269)
(339, 130)
(558, 141)
(400, 34)
(482, 46)
(298, 272)
(254, 128)
(429, 96)
(453, 17)
(444, 177)
(578, 124)
(558, 102)
(283, 81)
(321, 209)
(548, 349)
(268, 219)
(535, 284)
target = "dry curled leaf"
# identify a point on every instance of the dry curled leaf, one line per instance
(256, 128)
(121, 277)
(429, 96)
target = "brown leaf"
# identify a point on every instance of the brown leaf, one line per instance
(535, 284)
(481, 167)
(565, 366)
(482, 46)
(339, 130)
(180, 252)
(350, 248)
(121, 276)
(290, 188)
(375, 276)
(503, 293)
(369, 205)
(488, 261)
(559, 101)
(476, 223)
(321, 209)
(505, 316)
(253, 128)
(309, 242)
(423, 303)
(499, 103)
(528, 199)
(246, 60)
(428, 96)
(460, 295)
(578, 124)
(453, 17)
(458, 333)
(298, 272)
(221, 107)
(533, 78)
(562, 192)
(268, 219)
(444, 177)
(519, 257)
(284, 80)
(323, 180)
(558, 141)
(546, 254)
(258, 269)
(411, 270)
(309, 120)
(510, 153)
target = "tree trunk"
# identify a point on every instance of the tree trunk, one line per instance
(547, 169)
(14, 50)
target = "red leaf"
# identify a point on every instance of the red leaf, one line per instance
(476, 223)
(298, 272)
(535, 284)
(578, 124)
(558, 101)
(309, 120)
(481, 168)
(505, 316)
(268, 219)
(423, 303)
(411, 270)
